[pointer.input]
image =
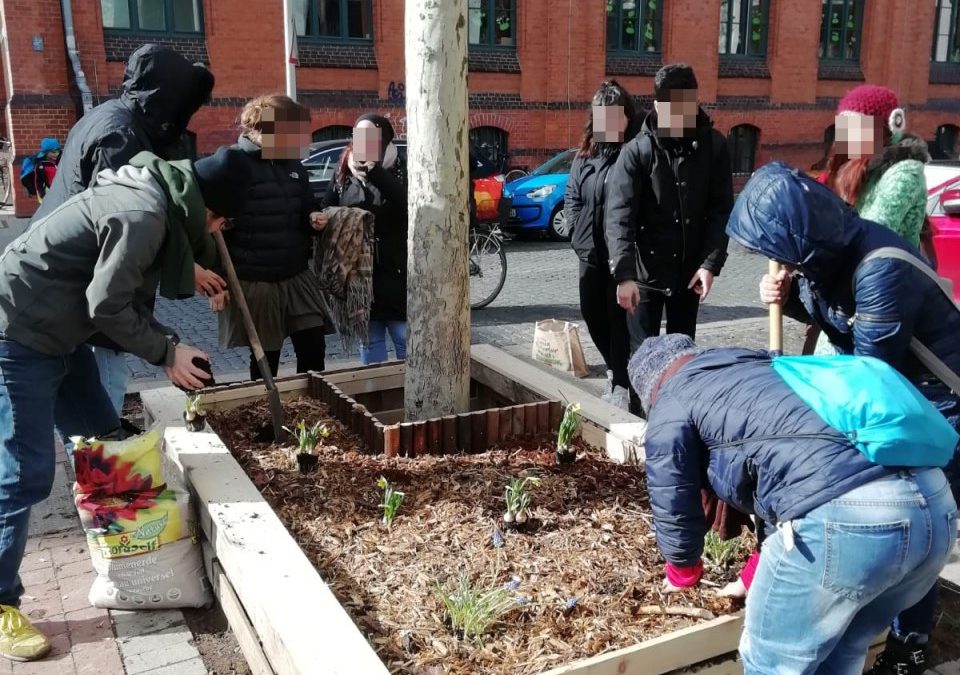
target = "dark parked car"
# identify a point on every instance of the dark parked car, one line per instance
(487, 199)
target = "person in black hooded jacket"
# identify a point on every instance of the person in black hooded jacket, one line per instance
(271, 239)
(668, 199)
(161, 92)
(366, 179)
(613, 121)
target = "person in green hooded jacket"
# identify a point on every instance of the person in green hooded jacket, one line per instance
(93, 265)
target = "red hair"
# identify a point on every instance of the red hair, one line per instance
(846, 177)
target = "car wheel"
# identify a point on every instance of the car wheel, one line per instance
(558, 229)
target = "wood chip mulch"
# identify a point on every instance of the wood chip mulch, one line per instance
(585, 571)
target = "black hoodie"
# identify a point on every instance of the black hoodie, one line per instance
(161, 91)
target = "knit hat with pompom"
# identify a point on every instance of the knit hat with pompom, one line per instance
(876, 101)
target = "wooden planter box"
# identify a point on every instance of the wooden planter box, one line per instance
(285, 617)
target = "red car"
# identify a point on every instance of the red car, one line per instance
(943, 211)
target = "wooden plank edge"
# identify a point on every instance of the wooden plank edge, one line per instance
(665, 653)
(233, 515)
(236, 615)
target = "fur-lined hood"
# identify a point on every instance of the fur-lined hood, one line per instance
(910, 146)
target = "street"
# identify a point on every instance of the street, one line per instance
(541, 284)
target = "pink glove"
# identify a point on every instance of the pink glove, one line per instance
(684, 577)
(746, 574)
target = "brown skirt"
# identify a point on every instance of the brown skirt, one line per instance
(278, 309)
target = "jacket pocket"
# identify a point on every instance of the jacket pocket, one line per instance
(862, 558)
(878, 328)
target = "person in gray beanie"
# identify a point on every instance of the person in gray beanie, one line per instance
(731, 421)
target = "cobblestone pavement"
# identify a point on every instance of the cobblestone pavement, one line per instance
(541, 284)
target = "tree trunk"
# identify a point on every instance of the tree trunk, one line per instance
(438, 308)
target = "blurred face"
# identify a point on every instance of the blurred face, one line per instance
(609, 123)
(858, 136)
(678, 115)
(283, 139)
(367, 142)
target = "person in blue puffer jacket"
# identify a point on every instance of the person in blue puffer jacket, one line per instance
(872, 309)
(832, 573)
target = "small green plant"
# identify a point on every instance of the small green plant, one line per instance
(474, 609)
(569, 425)
(392, 499)
(308, 437)
(518, 500)
(193, 406)
(719, 553)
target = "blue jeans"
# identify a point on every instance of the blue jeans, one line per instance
(857, 561)
(375, 351)
(36, 393)
(113, 374)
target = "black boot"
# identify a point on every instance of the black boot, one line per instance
(900, 658)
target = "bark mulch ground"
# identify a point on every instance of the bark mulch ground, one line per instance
(584, 575)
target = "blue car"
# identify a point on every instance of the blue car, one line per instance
(537, 199)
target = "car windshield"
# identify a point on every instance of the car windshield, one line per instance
(322, 166)
(558, 164)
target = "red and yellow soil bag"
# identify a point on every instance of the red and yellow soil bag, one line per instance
(141, 535)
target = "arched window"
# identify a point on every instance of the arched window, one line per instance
(743, 140)
(947, 137)
(334, 132)
(493, 142)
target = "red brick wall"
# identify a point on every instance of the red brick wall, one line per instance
(561, 52)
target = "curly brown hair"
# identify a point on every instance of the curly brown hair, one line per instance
(252, 119)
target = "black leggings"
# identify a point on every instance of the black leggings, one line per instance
(606, 321)
(309, 345)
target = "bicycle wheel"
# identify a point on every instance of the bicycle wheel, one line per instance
(514, 174)
(488, 269)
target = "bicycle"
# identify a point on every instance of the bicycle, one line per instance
(6, 171)
(487, 264)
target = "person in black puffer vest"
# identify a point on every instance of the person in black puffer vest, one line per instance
(613, 121)
(367, 179)
(271, 240)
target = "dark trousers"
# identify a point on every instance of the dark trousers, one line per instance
(309, 345)
(606, 320)
(681, 309)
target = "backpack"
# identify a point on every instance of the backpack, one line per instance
(875, 407)
(931, 361)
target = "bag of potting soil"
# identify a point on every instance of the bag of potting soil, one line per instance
(113, 467)
(141, 535)
(144, 550)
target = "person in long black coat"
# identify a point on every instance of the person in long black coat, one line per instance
(613, 121)
(367, 179)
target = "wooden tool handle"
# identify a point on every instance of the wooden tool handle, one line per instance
(776, 316)
(237, 297)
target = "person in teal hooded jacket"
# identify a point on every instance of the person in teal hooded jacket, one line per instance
(93, 265)
(38, 171)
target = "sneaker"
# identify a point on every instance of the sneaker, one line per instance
(19, 640)
(900, 658)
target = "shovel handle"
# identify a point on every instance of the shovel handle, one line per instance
(776, 316)
(237, 297)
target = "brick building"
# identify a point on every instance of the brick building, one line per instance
(770, 71)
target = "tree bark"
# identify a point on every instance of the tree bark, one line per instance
(438, 307)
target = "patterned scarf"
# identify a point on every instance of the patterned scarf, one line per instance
(344, 265)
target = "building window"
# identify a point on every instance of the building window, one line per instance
(634, 25)
(492, 23)
(945, 32)
(340, 20)
(159, 16)
(840, 29)
(743, 141)
(743, 27)
(492, 142)
(334, 132)
(946, 142)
